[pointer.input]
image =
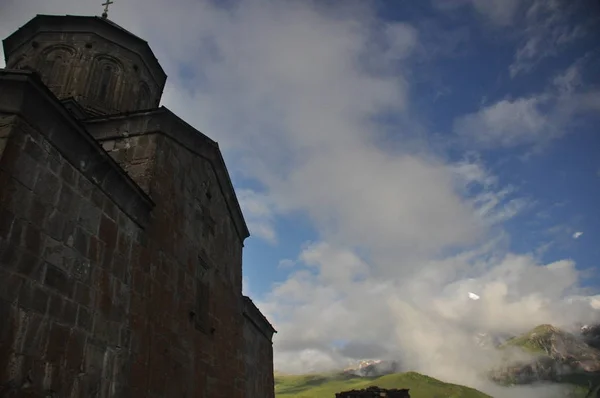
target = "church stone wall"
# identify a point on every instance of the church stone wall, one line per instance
(66, 262)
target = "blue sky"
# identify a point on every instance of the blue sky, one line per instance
(390, 157)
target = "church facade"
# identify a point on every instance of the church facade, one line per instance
(121, 235)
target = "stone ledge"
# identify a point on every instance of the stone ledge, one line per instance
(23, 94)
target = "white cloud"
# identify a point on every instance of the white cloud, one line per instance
(577, 234)
(507, 123)
(286, 263)
(259, 214)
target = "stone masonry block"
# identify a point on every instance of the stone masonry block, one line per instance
(58, 280)
(69, 202)
(81, 241)
(16, 197)
(47, 187)
(10, 285)
(55, 224)
(58, 255)
(57, 342)
(84, 318)
(26, 171)
(6, 221)
(10, 255)
(69, 175)
(108, 232)
(89, 217)
(34, 151)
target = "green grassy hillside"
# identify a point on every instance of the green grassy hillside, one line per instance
(326, 385)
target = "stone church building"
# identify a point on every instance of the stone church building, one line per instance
(120, 232)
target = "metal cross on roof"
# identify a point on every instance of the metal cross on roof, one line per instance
(105, 13)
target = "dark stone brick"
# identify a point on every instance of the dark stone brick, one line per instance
(82, 239)
(36, 335)
(6, 221)
(57, 279)
(108, 232)
(125, 338)
(38, 212)
(12, 152)
(96, 251)
(69, 313)
(89, 217)
(55, 308)
(101, 329)
(25, 294)
(57, 342)
(69, 203)
(59, 255)
(75, 350)
(47, 187)
(39, 299)
(68, 174)
(104, 304)
(110, 209)
(54, 164)
(98, 198)
(107, 261)
(124, 243)
(69, 233)
(26, 172)
(10, 255)
(16, 197)
(120, 267)
(81, 270)
(10, 285)
(6, 314)
(18, 232)
(82, 294)
(30, 266)
(34, 239)
(36, 152)
(84, 318)
(85, 187)
(55, 224)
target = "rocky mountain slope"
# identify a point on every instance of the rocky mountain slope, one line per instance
(373, 368)
(554, 356)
